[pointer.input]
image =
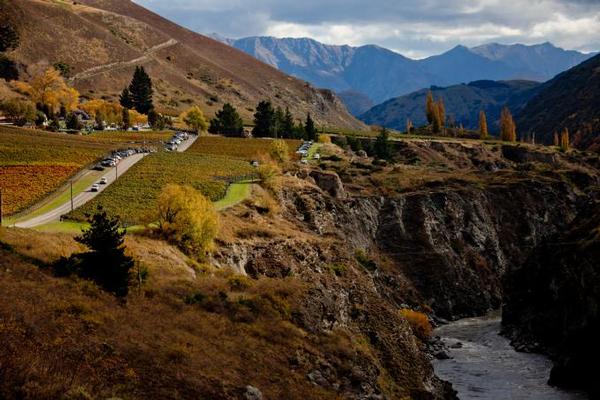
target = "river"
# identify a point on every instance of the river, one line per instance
(487, 367)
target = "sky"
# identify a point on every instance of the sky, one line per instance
(415, 29)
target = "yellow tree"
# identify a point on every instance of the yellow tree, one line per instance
(194, 118)
(508, 129)
(564, 140)
(111, 112)
(279, 150)
(50, 89)
(409, 126)
(483, 127)
(441, 112)
(187, 218)
(555, 140)
(430, 108)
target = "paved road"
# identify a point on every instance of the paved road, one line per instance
(186, 144)
(81, 198)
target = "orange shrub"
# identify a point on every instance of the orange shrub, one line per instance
(418, 322)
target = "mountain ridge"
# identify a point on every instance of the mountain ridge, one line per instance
(382, 74)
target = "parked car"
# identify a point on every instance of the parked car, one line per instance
(103, 181)
(317, 156)
(95, 187)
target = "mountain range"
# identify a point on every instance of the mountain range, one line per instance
(463, 103)
(112, 37)
(378, 74)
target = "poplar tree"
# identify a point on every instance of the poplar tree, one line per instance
(564, 140)
(555, 140)
(429, 108)
(508, 129)
(483, 127)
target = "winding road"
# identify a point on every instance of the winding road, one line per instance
(111, 175)
(89, 73)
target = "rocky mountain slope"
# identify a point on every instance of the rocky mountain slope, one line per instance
(571, 100)
(552, 302)
(382, 74)
(103, 40)
(463, 104)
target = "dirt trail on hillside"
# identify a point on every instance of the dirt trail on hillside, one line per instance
(89, 73)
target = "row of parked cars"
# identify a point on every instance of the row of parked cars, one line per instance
(303, 150)
(176, 140)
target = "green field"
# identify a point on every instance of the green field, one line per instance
(134, 195)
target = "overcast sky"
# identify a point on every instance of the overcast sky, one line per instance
(413, 28)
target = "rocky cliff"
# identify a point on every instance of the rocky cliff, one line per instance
(552, 302)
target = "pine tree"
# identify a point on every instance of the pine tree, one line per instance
(287, 125)
(430, 108)
(310, 132)
(106, 262)
(483, 127)
(227, 122)
(264, 119)
(564, 140)
(382, 146)
(278, 122)
(141, 91)
(508, 131)
(125, 99)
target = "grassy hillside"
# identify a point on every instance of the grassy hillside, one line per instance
(113, 36)
(571, 100)
(463, 104)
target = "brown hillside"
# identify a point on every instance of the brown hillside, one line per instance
(103, 40)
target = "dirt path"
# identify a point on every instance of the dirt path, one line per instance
(89, 73)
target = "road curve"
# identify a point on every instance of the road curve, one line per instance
(83, 197)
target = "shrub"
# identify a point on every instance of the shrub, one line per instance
(418, 322)
(338, 268)
(326, 139)
(364, 260)
(269, 172)
(188, 219)
(279, 150)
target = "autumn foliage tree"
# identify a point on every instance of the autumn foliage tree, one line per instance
(429, 108)
(508, 128)
(555, 140)
(483, 127)
(50, 89)
(194, 119)
(188, 219)
(279, 150)
(564, 140)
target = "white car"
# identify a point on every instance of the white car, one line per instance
(103, 181)
(317, 156)
(95, 187)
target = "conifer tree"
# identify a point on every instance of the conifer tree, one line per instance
(125, 99)
(508, 130)
(264, 119)
(126, 123)
(278, 122)
(483, 127)
(430, 108)
(310, 132)
(287, 125)
(227, 122)
(382, 146)
(141, 91)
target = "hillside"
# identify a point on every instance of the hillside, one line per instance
(113, 36)
(381, 74)
(571, 100)
(463, 104)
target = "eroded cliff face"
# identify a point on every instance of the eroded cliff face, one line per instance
(552, 302)
(410, 234)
